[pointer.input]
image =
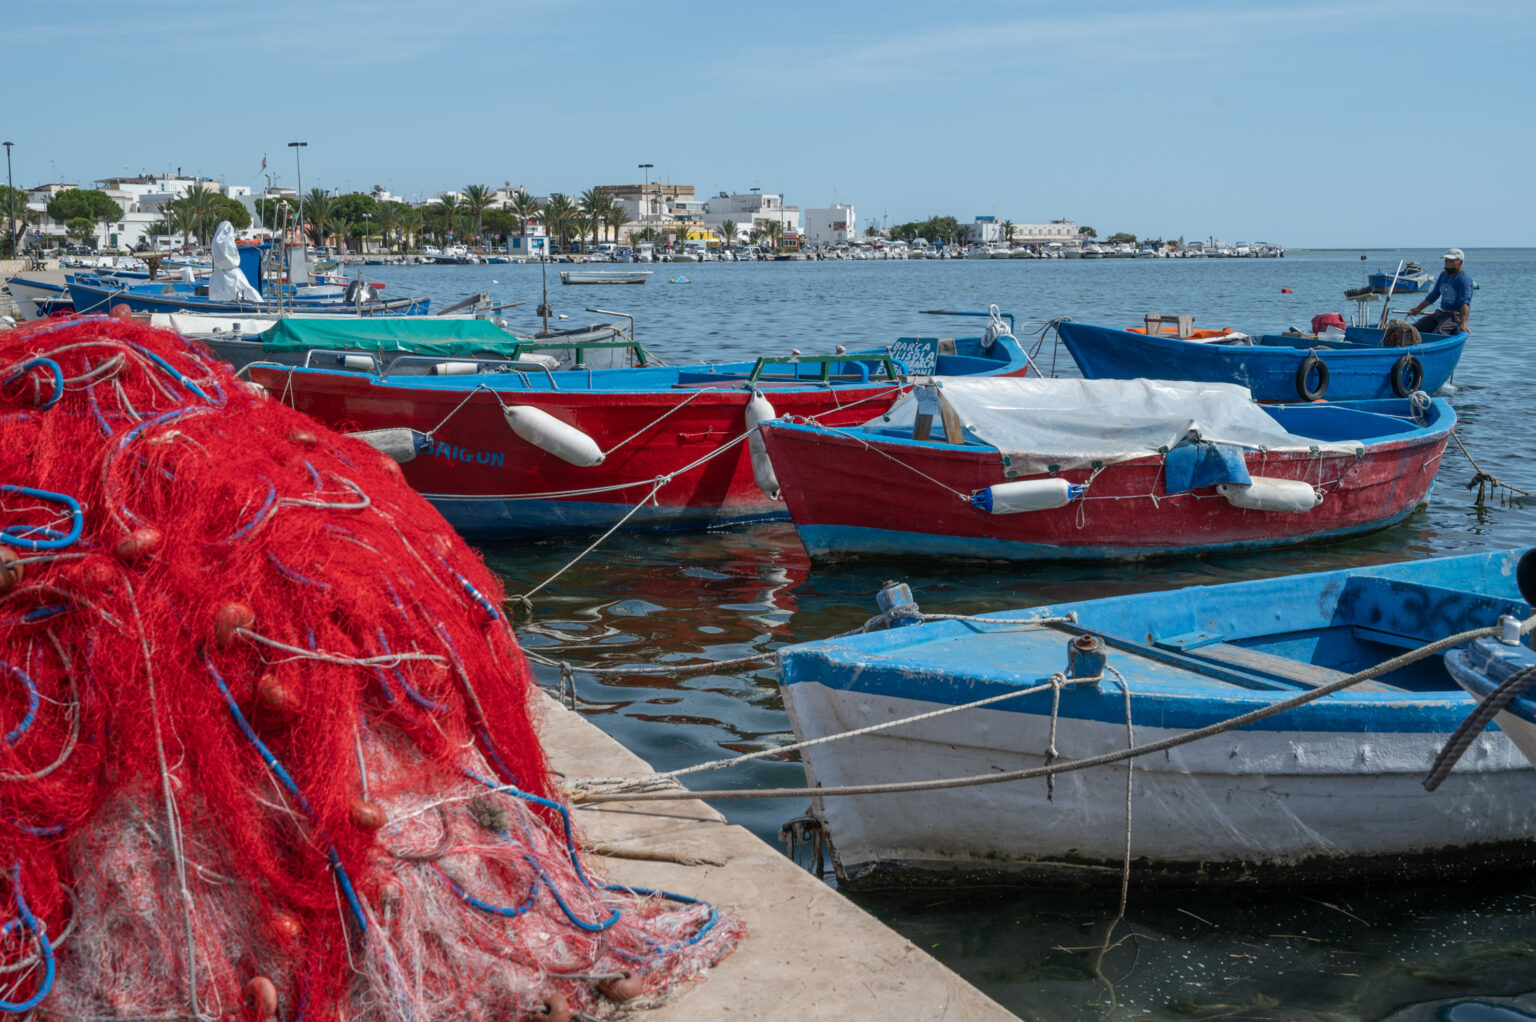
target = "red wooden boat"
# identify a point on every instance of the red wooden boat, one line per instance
(666, 447)
(1051, 469)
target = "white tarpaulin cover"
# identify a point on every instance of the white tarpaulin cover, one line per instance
(1038, 423)
(228, 283)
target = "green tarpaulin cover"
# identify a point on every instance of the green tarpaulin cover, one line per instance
(418, 334)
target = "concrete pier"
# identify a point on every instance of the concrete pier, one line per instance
(810, 953)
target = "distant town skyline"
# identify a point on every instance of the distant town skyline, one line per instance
(1359, 123)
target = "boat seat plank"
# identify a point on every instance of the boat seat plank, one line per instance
(1284, 668)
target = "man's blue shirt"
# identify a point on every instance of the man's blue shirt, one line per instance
(1454, 291)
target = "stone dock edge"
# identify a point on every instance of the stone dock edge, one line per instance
(810, 953)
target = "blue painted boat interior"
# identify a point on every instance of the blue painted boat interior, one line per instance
(786, 373)
(1195, 656)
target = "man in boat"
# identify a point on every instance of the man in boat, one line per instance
(1454, 289)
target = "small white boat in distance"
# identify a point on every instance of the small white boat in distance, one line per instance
(604, 276)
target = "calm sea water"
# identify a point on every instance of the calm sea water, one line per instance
(1356, 953)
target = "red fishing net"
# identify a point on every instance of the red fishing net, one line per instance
(266, 742)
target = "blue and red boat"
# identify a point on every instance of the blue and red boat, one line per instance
(1274, 367)
(1046, 469)
(650, 447)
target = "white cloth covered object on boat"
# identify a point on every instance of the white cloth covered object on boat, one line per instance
(228, 283)
(1039, 423)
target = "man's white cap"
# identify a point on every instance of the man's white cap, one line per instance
(1455, 254)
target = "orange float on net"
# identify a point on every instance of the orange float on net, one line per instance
(284, 926)
(230, 619)
(626, 988)
(275, 694)
(121, 311)
(260, 999)
(11, 572)
(138, 544)
(367, 815)
(96, 573)
(556, 1008)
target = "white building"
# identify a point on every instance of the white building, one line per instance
(752, 209)
(643, 203)
(835, 225)
(986, 229)
(1061, 231)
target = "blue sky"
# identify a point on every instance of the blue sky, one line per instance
(1350, 123)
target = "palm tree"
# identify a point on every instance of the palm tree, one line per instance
(589, 223)
(1008, 233)
(525, 208)
(774, 230)
(387, 219)
(616, 217)
(446, 212)
(476, 198)
(728, 232)
(179, 220)
(594, 204)
(410, 225)
(319, 206)
(679, 233)
(558, 212)
(200, 204)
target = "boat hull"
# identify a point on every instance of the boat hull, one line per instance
(676, 456)
(1401, 285)
(1356, 371)
(1327, 791)
(1281, 806)
(856, 495)
(36, 298)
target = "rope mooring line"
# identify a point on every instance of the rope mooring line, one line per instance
(1067, 766)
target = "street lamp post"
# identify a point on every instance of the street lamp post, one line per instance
(367, 231)
(299, 172)
(645, 193)
(10, 201)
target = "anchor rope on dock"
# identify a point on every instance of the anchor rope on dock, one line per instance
(1067, 766)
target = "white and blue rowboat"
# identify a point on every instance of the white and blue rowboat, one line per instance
(1501, 674)
(1327, 791)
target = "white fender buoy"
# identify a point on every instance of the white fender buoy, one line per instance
(759, 411)
(1026, 495)
(548, 433)
(359, 363)
(455, 368)
(1264, 494)
(400, 443)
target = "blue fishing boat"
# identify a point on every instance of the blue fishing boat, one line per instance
(1275, 367)
(1323, 790)
(1409, 279)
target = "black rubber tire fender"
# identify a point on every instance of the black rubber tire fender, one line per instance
(1309, 365)
(1410, 367)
